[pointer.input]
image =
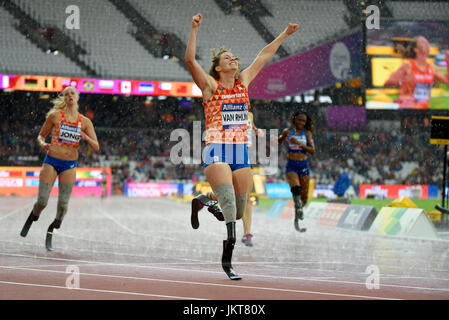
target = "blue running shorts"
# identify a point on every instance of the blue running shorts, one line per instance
(59, 164)
(301, 168)
(235, 155)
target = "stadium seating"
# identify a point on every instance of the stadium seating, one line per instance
(21, 56)
(216, 30)
(318, 21)
(111, 49)
(419, 10)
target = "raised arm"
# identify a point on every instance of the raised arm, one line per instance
(265, 55)
(400, 75)
(200, 77)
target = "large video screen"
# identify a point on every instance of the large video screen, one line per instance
(407, 62)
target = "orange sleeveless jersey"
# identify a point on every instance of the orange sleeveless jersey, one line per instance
(226, 115)
(416, 94)
(67, 133)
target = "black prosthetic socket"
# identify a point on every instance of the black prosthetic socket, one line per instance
(296, 190)
(231, 231)
(216, 211)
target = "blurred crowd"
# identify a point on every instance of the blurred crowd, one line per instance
(134, 135)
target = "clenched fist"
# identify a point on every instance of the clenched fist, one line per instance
(291, 28)
(196, 20)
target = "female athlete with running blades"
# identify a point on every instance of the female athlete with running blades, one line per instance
(226, 105)
(67, 127)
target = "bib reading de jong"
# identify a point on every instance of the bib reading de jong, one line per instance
(69, 134)
(66, 133)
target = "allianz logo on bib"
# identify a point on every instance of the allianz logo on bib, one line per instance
(65, 127)
(235, 107)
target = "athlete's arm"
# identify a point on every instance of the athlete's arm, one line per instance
(283, 136)
(398, 76)
(265, 55)
(440, 76)
(88, 134)
(45, 130)
(310, 148)
(204, 81)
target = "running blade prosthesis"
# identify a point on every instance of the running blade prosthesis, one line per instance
(298, 228)
(26, 227)
(228, 247)
(299, 215)
(198, 203)
(48, 239)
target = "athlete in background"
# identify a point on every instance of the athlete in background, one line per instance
(297, 173)
(415, 77)
(248, 215)
(67, 127)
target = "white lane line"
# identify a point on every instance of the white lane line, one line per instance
(98, 290)
(214, 284)
(121, 225)
(266, 263)
(246, 275)
(257, 263)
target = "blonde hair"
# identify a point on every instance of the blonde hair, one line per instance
(59, 103)
(216, 60)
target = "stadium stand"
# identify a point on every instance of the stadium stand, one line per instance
(134, 135)
(419, 10)
(21, 56)
(111, 49)
(319, 21)
(231, 30)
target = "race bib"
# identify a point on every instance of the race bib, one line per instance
(422, 91)
(69, 134)
(234, 115)
(301, 138)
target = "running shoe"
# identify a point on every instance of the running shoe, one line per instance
(247, 239)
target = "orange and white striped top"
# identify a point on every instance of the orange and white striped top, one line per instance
(67, 133)
(226, 115)
(416, 93)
